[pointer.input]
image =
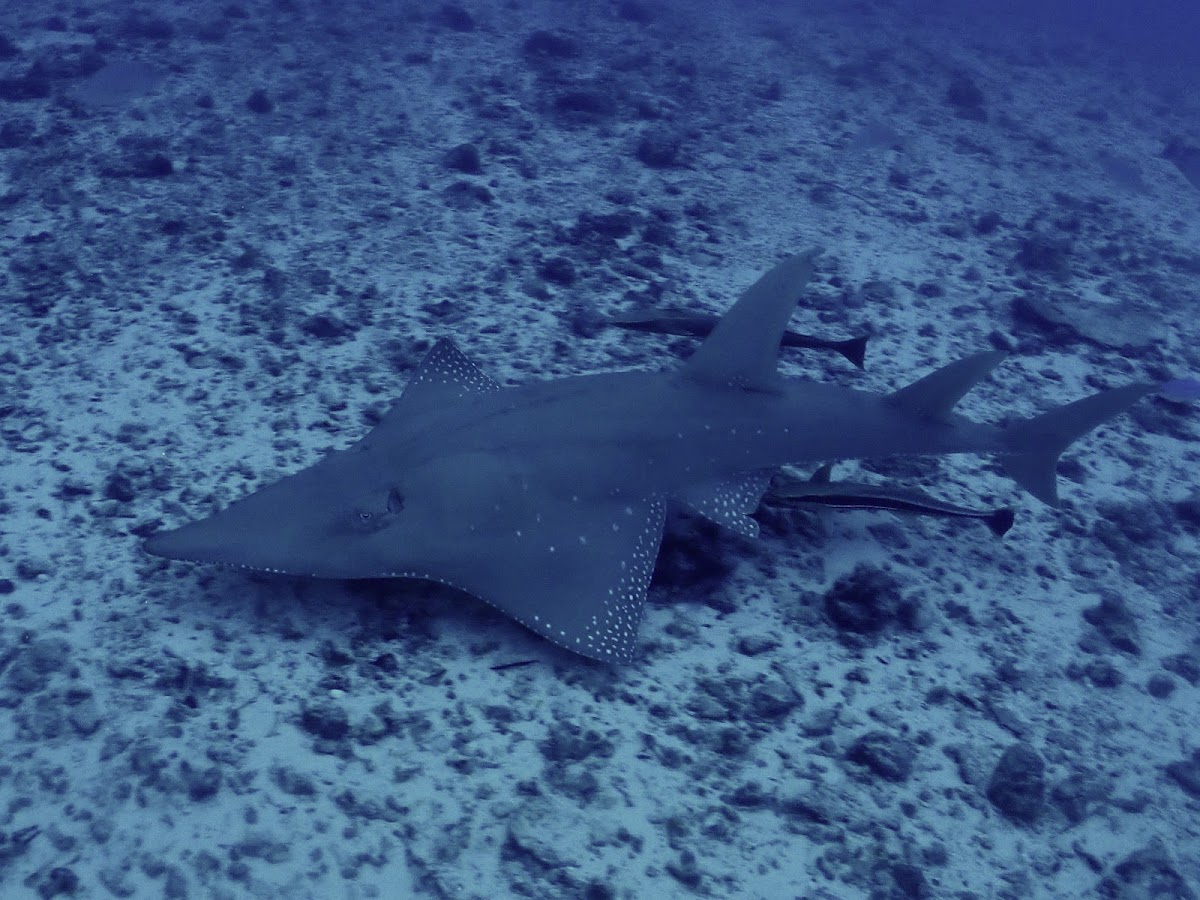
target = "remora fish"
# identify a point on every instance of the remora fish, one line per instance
(547, 499)
(790, 489)
(673, 321)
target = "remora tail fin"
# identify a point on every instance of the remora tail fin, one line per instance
(743, 349)
(1037, 443)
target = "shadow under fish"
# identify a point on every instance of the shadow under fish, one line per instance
(700, 325)
(790, 490)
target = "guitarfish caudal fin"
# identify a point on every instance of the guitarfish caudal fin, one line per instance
(1037, 443)
(1033, 446)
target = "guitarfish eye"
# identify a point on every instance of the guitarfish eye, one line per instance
(367, 521)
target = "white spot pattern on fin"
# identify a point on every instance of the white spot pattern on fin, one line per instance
(587, 595)
(445, 366)
(612, 633)
(730, 501)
